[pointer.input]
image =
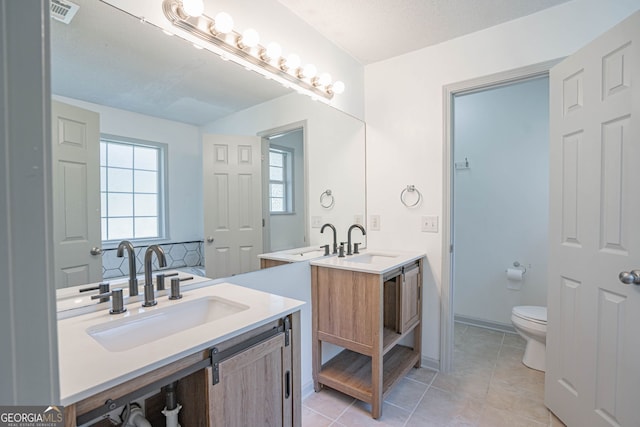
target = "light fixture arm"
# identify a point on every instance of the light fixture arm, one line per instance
(201, 27)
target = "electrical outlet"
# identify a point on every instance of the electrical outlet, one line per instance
(316, 221)
(357, 219)
(375, 223)
(430, 224)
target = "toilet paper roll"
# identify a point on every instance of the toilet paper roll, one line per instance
(514, 274)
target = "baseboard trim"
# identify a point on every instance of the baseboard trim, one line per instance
(307, 390)
(487, 324)
(430, 363)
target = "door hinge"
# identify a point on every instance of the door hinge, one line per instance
(263, 222)
(451, 248)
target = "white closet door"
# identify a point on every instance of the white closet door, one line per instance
(232, 204)
(76, 195)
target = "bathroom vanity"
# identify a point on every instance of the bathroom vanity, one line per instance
(370, 305)
(288, 256)
(214, 342)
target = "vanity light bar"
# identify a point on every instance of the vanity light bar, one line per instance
(230, 42)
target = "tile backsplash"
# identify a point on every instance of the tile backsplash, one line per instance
(182, 254)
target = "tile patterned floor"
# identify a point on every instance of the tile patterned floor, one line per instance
(489, 387)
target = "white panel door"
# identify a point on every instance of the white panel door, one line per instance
(76, 196)
(232, 204)
(593, 338)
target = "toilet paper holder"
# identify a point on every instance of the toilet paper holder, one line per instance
(516, 264)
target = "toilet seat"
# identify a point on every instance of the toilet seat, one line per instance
(531, 313)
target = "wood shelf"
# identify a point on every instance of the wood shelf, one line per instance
(350, 372)
(390, 337)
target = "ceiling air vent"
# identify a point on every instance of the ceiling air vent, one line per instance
(63, 10)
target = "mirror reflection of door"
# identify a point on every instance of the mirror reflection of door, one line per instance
(283, 203)
(76, 204)
(232, 204)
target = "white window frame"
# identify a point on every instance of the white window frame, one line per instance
(287, 180)
(163, 231)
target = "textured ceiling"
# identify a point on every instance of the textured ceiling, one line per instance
(374, 30)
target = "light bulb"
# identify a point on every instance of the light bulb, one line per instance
(193, 7)
(250, 38)
(324, 79)
(338, 87)
(293, 61)
(223, 22)
(274, 50)
(309, 71)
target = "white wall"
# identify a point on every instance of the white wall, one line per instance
(28, 328)
(335, 150)
(501, 201)
(403, 111)
(184, 159)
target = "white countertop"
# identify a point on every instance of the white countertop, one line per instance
(295, 255)
(370, 261)
(87, 368)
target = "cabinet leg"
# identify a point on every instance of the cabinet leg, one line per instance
(317, 386)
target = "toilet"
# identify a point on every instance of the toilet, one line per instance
(531, 323)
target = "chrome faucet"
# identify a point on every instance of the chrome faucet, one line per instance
(133, 280)
(335, 237)
(364, 233)
(149, 297)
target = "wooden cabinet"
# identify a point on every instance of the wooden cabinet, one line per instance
(268, 263)
(251, 379)
(254, 387)
(368, 315)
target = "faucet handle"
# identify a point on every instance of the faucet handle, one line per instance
(341, 250)
(160, 279)
(117, 300)
(326, 249)
(175, 289)
(355, 248)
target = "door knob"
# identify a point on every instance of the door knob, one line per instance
(96, 251)
(630, 277)
(210, 239)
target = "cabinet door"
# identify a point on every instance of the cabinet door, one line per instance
(254, 388)
(410, 299)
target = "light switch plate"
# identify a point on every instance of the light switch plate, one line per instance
(375, 223)
(316, 221)
(357, 219)
(430, 224)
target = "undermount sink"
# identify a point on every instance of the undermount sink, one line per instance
(372, 258)
(135, 330)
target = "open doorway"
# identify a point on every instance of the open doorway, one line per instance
(500, 201)
(284, 205)
(457, 165)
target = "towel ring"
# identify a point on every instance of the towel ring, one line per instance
(410, 189)
(327, 200)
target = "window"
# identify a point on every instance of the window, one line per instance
(131, 189)
(280, 180)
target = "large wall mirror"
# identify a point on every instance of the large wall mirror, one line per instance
(146, 86)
